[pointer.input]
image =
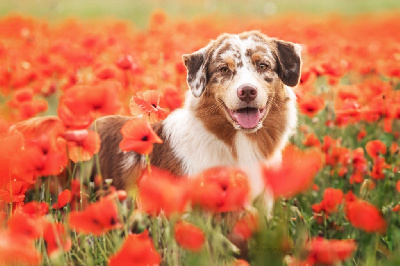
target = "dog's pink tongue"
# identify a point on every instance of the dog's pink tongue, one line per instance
(247, 118)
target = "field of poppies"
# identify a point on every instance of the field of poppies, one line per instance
(337, 194)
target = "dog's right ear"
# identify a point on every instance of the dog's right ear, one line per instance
(196, 76)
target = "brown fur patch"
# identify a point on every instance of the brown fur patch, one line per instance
(209, 111)
(163, 156)
(111, 157)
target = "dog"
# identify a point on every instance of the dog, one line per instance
(240, 110)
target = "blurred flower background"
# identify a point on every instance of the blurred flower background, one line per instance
(65, 63)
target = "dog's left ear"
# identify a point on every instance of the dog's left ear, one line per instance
(196, 77)
(289, 62)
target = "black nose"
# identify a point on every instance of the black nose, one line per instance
(247, 93)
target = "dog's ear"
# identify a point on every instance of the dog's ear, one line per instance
(196, 77)
(289, 62)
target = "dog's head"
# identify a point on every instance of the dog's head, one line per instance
(238, 76)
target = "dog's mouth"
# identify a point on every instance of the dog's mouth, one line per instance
(248, 117)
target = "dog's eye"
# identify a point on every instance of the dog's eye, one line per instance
(224, 70)
(263, 66)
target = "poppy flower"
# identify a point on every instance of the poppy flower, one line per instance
(365, 216)
(96, 219)
(161, 191)
(361, 135)
(81, 104)
(17, 250)
(120, 195)
(20, 96)
(31, 108)
(310, 105)
(35, 209)
(14, 191)
(138, 136)
(347, 112)
(172, 98)
(147, 103)
(45, 151)
(137, 250)
(56, 239)
(324, 251)
(82, 144)
(106, 72)
(220, 189)
(311, 140)
(358, 160)
(240, 262)
(246, 226)
(398, 186)
(125, 62)
(11, 144)
(33, 163)
(295, 174)
(189, 236)
(375, 147)
(378, 167)
(23, 225)
(330, 202)
(63, 199)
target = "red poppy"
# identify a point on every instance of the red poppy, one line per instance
(361, 135)
(14, 192)
(31, 108)
(310, 105)
(23, 225)
(45, 150)
(160, 191)
(17, 250)
(365, 216)
(189, 236)
(120, 195)
(378, 167)
(11, 144)
(126, 62)
(138, 136)
(57, 240)
(35, 209)
(246, 226)
(172, 98)
(240, 262)
(220, 189)
(311, 140)
(375, 147)
(106, 72)
(96, 219)
(147, 103)
(63, 199)
(20, 96)
(329, 252)
(296, 173)
(137, 250)
(82, 144)
(330, 202)
(81, 104)
(347, 112)
(358, 160)
(398, 186)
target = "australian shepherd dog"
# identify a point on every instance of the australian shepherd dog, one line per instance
(240, 110)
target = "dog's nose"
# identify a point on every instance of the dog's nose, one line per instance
(247, 93)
